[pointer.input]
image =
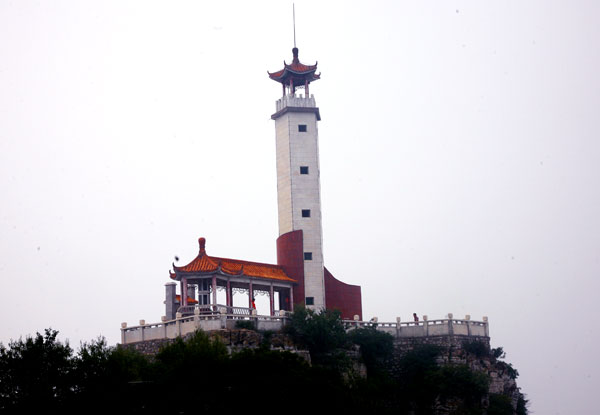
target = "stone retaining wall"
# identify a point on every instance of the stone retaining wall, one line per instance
(234, 340)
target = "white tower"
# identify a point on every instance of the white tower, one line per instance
(298, 185)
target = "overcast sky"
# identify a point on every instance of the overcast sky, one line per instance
(459, 148)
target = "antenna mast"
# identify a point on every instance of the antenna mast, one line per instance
(294, 14)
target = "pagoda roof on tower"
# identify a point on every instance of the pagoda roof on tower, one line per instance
(204, 263)
(299, 72)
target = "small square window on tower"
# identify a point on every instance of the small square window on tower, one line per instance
(301, 128)
(303, 169)
(310, 300)
(306, 213)
(308, 256)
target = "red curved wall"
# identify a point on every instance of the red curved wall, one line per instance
(338, 295)
(290, 256)
(341, 296)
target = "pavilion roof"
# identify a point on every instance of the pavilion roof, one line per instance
(299, 72)
(204, 263)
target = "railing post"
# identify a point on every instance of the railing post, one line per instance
(398, 321)
(487, 326)
(164, 322)
(178, 322)
(468, 320)
(450, 327)
(223, 317)
(197, 318)
(426, 326)
(142, 324)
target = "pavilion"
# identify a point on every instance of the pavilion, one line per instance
(205, 275)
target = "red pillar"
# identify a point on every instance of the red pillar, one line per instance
(291, 299)
(229, 299)
(271, 301)
(250, 294)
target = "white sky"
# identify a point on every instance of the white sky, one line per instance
(459, 163)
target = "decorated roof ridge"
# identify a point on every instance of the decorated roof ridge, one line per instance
(235, 267)
(201, 255)
(296, 68)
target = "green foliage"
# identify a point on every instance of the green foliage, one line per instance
(458, 381)
(508, 368)
(42, 374)
(35, 373)
(198, 353)
(245, 324)
(522, 405)
(500, 405)
(267, 335)
(322, 333)
(423, 383)
(376, 347)
(412, 374)
(498, 353)
(476, 348)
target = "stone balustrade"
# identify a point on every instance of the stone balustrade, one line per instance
(223, 318)
(296, 101)
(426, 328)
(206, 318)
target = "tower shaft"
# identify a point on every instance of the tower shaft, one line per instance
(298, 186)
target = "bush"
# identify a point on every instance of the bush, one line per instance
(500, 405)
(476, 348)
(376, 347)
(322, 333)
(245, 324)
(498, 353)
(460, 382)
(522, 405)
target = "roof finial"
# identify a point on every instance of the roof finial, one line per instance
(202, 243)
(294, 15)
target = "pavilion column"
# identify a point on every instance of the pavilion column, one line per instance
(229, 299)
(292, 90)
(291, 299)
(283, 85)
(271, 300)
(306, 89)
(214, 289)
(250, 294)
(181, 292)
(184, 292)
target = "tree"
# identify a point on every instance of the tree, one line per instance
(35, 373)
(376, 347)
(321, 332)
